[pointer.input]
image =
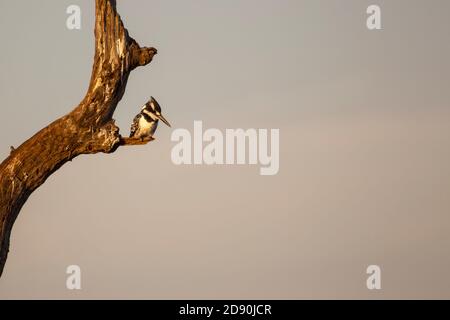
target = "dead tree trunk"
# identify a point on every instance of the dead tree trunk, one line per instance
(88, 129)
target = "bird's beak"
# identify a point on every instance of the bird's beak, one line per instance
(160, 117)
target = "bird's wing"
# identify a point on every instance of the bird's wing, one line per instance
(135, 125)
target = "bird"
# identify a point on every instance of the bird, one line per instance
(145, 123)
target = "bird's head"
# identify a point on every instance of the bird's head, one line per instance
(153, 110)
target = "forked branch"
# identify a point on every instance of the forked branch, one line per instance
(88, 129)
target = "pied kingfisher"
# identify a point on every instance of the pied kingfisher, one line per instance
(145, 123)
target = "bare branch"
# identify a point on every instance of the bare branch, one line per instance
(87, 129)
(135, 141)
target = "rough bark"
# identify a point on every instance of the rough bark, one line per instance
(88, 129)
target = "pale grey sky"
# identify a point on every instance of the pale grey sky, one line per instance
(364, 176)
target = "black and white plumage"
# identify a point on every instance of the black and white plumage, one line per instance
(145, 123)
